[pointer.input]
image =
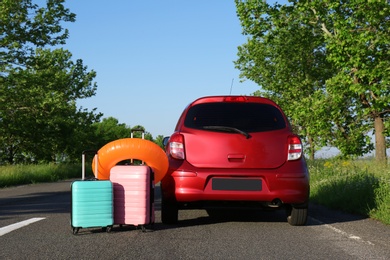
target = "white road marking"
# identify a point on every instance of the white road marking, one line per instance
(350, 236)
(10, 228)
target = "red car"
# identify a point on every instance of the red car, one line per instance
(229, 151)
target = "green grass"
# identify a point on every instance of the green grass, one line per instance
(361, 187)
(29, 174)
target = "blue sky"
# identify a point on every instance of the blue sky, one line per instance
(153, 58)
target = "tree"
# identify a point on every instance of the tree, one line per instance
(39, 86)
(159, 141)
(326, 63)
(287, 59)
(357, 39)
(40, 116)
(25, 26)
(109, 129)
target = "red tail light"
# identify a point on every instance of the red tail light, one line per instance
(176, 146)
(294, 148)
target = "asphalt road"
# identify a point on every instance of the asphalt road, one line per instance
(258, 235)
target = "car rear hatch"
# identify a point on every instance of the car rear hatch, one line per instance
(223, 150)
(235, 135)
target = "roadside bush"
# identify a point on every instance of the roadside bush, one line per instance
(360, 187)
(27, 174)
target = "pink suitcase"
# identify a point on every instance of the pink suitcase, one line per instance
(133, 195)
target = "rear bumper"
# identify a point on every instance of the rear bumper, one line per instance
(288, 186)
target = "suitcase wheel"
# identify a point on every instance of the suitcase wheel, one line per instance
(75, 230)
(107, 229)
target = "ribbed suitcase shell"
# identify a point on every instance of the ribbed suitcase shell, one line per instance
(133, 195)
(92, 203)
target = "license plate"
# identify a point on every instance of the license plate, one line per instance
(237, 184)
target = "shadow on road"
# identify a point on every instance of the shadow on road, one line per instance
(318, 215)
(225, 216)
(35, 203)
(53, 201)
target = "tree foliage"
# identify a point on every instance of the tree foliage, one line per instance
(109, 129)
(39, 85)
(357, 36)
(326, 63)
(159, 141)
(286, 58)
(25, 26)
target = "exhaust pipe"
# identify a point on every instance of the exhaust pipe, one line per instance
(276, 203)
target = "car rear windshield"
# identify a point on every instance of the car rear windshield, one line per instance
(247, 117)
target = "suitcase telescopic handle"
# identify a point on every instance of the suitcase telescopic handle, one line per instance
(83, 162)
(137, 130)
(131, 136)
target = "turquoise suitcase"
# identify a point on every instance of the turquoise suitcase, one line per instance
(92, 202)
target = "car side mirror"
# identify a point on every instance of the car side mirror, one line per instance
(165, 140)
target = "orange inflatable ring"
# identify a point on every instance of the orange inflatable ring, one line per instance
(131, 148)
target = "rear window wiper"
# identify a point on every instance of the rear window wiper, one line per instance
(227, 129)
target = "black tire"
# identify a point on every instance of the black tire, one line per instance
(169, 212)
(297, 216)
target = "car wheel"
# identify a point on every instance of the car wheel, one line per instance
(169, 211)
(296, 216)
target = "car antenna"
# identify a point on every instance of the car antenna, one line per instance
(231, 87)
